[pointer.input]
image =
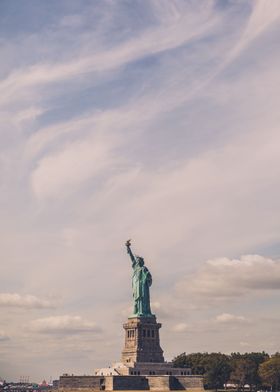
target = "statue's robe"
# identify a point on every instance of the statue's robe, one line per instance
(141, 281)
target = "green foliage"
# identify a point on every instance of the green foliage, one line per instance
(256, 357)
(214, 366)
(218, 369)
(269, 372)
(194, 361)
(244, 372)
(245, 369)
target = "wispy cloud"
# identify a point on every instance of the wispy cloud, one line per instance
(185, 25)
(74, 164)
(24, 301)
(64, 324)
(262, 17)
(180, 327)
(4, 337)
(225, 318)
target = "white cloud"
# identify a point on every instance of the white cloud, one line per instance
(64, 324)
(224, 278)
(4, 337)
(76, 162)
(180, 327)
(244, 344)
(230, 318)
(28, 114)
(24, 301)
(161, 310)
(100, 127)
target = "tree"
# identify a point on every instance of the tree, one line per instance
(215, 367)
(245, 369)
(218, 370)
(243, 373)
(193, 361)
(270, 372)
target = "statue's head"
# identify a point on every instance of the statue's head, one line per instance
(140, 260)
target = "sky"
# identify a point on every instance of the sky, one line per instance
(155, 120)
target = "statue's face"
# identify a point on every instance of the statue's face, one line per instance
(140, 261)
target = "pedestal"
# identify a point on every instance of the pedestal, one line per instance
(142, 342)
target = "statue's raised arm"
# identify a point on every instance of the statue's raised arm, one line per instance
(128, 245)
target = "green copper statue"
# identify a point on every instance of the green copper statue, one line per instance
(141, 282)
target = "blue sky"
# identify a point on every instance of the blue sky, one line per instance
(152, 120)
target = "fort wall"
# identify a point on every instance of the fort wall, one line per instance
(126, 383)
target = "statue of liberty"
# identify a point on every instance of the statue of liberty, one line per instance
(141, 282)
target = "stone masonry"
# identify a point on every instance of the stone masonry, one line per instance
(125, 383)
(142, 341)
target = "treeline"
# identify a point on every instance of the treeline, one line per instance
(258, 370)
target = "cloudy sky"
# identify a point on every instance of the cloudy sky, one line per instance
(155, 120)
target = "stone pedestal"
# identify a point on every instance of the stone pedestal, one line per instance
(142, 340)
